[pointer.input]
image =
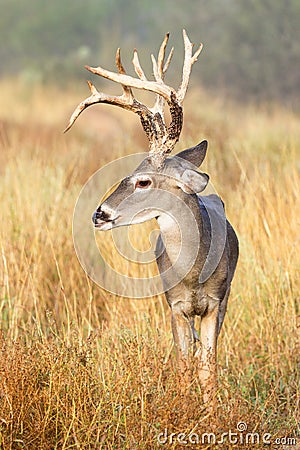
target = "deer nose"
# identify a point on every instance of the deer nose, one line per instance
(100, 216)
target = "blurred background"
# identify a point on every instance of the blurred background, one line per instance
(79, 366)
(251, 48)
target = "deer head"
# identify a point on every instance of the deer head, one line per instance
(151, 193)
(157, 171)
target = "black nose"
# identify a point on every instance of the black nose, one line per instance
(95, 217)
(99, 215)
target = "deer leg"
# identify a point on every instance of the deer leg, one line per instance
(208, 354)
(183, 335)
(222, 310)
(195, 335)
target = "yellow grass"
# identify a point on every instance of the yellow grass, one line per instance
(81, 368)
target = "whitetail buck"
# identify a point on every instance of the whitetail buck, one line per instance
(196, 292)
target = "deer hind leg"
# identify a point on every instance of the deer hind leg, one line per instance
(207, 354)
(222, 309)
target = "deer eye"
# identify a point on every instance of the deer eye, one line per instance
(143, 184)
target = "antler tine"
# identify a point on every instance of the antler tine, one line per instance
(160, 101)
(166, 66)
(161, 55)
(159, 67)
(119, 64)
(155, 68)
(159, 70)
(91, 100)
(137, 67)
(189, 60)
(127, 90)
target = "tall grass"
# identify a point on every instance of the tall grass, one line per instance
(81, 368)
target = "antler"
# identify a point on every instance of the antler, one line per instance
(162, 139)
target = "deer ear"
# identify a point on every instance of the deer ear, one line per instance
(194, 155)
(192, 182)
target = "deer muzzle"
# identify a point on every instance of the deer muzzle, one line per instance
(103, 219)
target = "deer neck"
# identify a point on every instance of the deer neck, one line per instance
(179, 229)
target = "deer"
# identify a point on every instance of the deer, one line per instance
(192, 288)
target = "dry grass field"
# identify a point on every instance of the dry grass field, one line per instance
(83, 369)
